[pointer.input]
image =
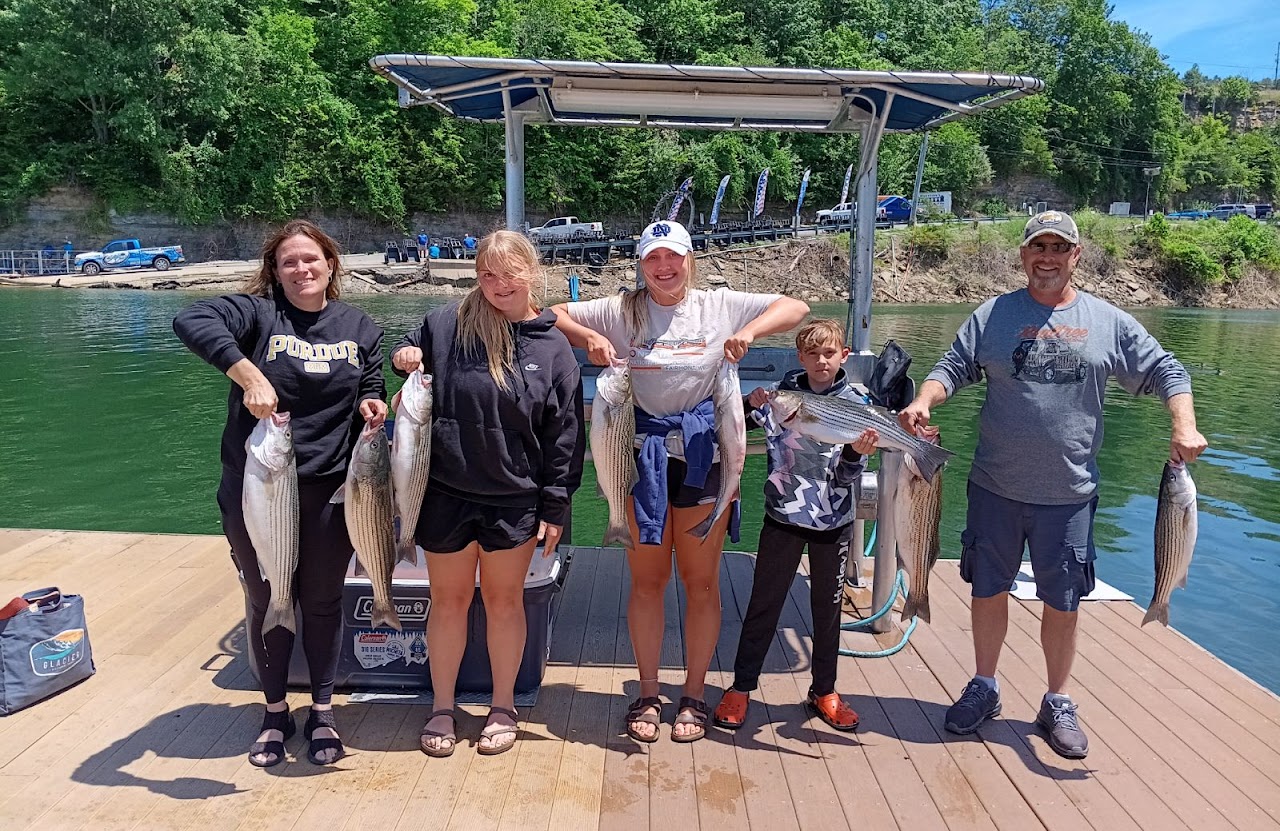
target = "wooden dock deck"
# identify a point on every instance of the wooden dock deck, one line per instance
(157, 739)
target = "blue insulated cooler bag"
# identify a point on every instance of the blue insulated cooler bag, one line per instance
(43, 650)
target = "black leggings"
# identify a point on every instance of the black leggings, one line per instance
(324, 551)
(777, 557)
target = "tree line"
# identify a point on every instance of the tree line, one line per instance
(230, 109)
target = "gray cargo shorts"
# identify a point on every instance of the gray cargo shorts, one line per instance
(1059, 537)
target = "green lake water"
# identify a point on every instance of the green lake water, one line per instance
(110, 424)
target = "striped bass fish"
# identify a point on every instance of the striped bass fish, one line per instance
(917, 514)
(833, 420)
(411, 458)
(369, 513)
(731, 434)
(269, 499)
(613, 437)
(1176, 525)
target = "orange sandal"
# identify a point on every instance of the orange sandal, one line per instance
(732, 710)
(832, 709)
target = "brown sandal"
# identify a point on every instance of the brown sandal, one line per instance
(440, 751)
(732, 710)
(641, 712)
(493, 730)
(700, 717)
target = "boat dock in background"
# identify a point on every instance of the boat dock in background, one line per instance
(157, 739)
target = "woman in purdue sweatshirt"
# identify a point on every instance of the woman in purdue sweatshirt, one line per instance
(507, 445)
(290, 346)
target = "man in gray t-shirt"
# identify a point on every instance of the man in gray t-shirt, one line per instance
(1046, 353)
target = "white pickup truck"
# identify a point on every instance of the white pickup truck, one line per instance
(562, 226)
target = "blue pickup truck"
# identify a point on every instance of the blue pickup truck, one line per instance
(129, 253)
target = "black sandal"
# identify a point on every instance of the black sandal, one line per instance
(700, 718)
(322, 751)
(640, 712)
(274, 751)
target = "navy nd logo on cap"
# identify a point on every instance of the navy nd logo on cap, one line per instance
(1051, 222)
(665, 234)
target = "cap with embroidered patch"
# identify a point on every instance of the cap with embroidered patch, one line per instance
(664, 234)
(1051, 222)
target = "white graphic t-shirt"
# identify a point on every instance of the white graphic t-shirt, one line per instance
(674, 364)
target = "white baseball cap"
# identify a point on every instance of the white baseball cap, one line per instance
(664, 234)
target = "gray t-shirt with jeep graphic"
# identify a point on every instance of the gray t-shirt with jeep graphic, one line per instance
(1046, 369)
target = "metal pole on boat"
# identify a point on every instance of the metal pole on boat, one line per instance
(886, 540)
(514, 125)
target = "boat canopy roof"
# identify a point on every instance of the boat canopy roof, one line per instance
(591, 93)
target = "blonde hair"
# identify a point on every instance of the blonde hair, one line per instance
(479, 323)
(263, 281)
(818, 333)
(635, 306)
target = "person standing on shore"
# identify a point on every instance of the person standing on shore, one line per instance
(1046, 352)
(507, 449)
(290, 345)
(675, 338)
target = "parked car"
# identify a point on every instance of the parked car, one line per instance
(1193, 214)
(1262, 210)
(129, 253)
(889, 209)
(562, 226)
(1227, 210)
(839, 215)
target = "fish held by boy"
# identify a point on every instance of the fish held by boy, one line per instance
(269, 499)
(731, 434)
(411, 458)
(369, 514)
(837, 421)
(1177, 522)
(613, 438)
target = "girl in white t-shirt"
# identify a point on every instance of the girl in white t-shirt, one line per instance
(674, 338)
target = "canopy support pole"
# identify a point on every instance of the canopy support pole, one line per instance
(514, 124)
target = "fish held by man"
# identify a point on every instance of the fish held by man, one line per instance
(411, 458)
(269, 499)
(731, 435)
(917, 515)
(613, 436)
(837, 421)
(369, 513)
(1177, 522)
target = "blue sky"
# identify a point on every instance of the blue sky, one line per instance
(1227, 37)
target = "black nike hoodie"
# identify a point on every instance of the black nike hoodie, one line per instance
(522, 447)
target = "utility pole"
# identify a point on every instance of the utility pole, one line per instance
(1149, 173)
(1275, 76)
(915, 192)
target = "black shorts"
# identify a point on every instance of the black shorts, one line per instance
(450, 523)
(680, 495)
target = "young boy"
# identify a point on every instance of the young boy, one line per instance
(808, 501)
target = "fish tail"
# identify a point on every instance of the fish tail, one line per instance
(916, 606)
(384, 615)
(618, 534)
(1158, 611)
(930, 458)
(407, 551)
(277, 615)
(703, 529)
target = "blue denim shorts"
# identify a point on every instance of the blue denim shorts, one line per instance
(1059, 538)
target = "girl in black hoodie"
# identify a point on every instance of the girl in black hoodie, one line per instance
(507, 445)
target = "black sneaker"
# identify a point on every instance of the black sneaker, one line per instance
(977, 703)
(1065, 735)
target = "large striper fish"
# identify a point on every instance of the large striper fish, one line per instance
(369, 514)
(613, 437)
(269, 499)
(411, 458)
(917, 513)
(731, 434)
(1176, 524)
(834, 420)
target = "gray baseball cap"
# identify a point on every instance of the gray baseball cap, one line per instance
(1051, 222)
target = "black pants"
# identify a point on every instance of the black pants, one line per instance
(324, 551)
(777, 558)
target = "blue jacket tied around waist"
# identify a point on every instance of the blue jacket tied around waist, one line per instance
(697, 430)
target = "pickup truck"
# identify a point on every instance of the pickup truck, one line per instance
(562, 226)
(128, 253)
(889, 209)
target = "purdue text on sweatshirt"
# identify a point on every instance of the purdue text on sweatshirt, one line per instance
(321, 364)
(520, 447)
